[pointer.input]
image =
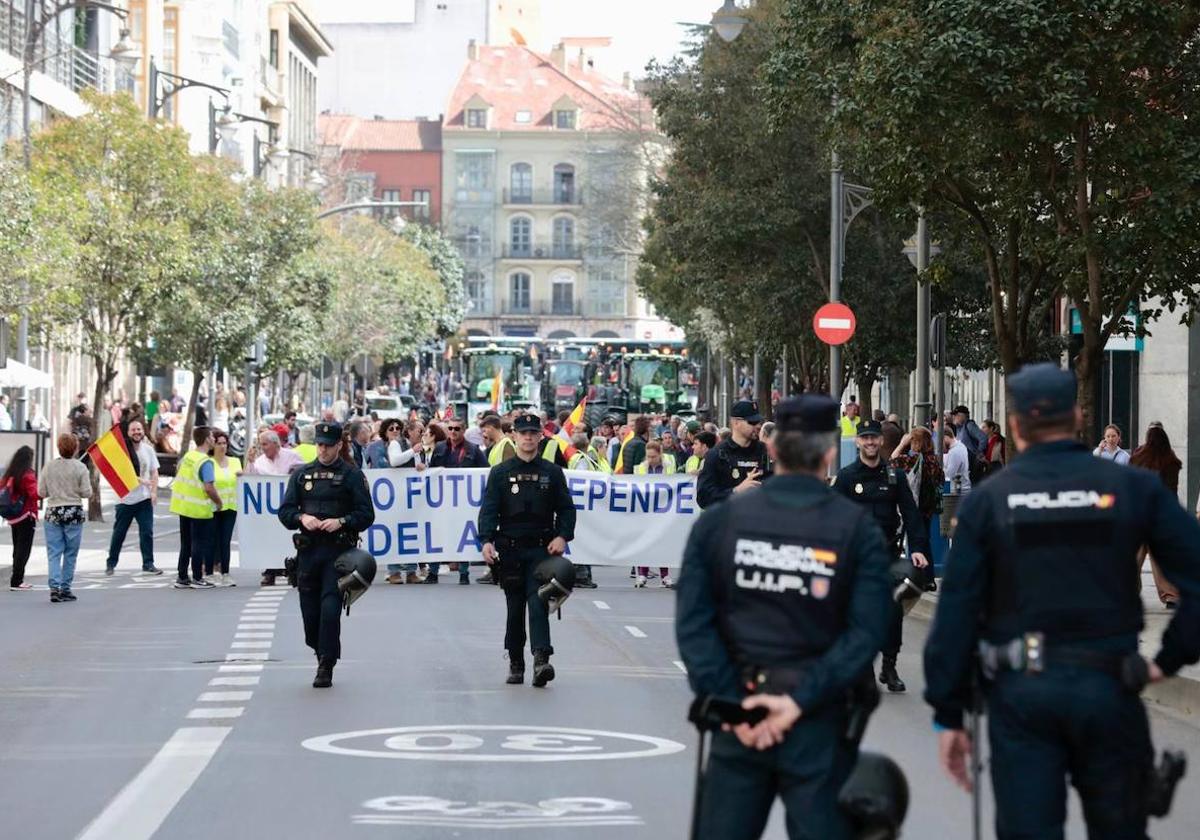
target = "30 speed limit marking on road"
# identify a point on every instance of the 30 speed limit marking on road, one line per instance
(492, 743)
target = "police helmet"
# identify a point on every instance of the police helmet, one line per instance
(356, 570)
(906, 590)
(875, 797)
(556, 578)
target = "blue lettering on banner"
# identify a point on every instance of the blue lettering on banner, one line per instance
(476, 499)
(454, 479)
(663, 492)
(382, 501)
(575, 488)
(639, 496)
(430, 499)
(254, 495)
(684, 497)
(403, 538)
(385, 540)
(411, 485)
(469, 538)
(597, 488)
(618, 492)
(430, 548)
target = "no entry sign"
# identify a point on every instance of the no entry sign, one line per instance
(834, 323)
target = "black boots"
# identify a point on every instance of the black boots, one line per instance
(324, 677)
(889, 677)
(516, 669)
(543, 671)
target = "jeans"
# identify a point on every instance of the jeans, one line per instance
(521, 598)
(402, 567)
(195, 546)
(143, 512)
(463, 569)
(62, 548)
(224, 522)
(22, 535)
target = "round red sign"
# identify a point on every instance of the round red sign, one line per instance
(834, 323)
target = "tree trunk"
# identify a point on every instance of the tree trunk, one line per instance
(105, 374)
(866, 404)
(1087, 368)
(189, 418)
(762, 387)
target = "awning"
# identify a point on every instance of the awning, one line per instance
(15, 374)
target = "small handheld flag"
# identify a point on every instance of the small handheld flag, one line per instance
(111, 456)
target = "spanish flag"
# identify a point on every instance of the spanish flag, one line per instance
(621, 452)
(569, 426)
(111, 457)
(498, 390)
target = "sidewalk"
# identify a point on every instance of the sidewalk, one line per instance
(1180, 694)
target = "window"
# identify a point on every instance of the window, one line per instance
(474, 243)
(520, 236)
(521, 184)
(273, 49)
(523, 117)
(562, 291)
(564, 184)
(476, 118)
(388, 212)
(475, 285)
(565, 120)
(520, 287)
(427, 197)
(564, 237)
(474, 170)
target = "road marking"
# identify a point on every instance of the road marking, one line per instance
(635, 632)
(215, 713)
(249, 645)
(256, 626)
(679, 665)
(254, 636)
(239, 667)
(234, 681)
(260, 611)
(600, 605)
(253, 656)
(225, 697)
(138, 811)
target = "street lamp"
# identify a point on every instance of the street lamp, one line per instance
(172, 83)
(729, 21)
(125, 53)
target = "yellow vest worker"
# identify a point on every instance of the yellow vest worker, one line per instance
(668, 466)
(226, 482)
(501, 451)
(550, 452)
(850, 425)
(187, 490)
(306, 451)
(693, 464)
(600, 461)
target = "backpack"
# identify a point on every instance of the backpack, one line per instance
(11, 504)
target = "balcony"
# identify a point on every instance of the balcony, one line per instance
(61, 60)
(538, 251)
(542, 308)
(557, 197)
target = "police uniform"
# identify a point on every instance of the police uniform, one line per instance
(1042, 581)
(726, 465)
(883, 491)
(784, 590)
(326, 491)
(526, 505)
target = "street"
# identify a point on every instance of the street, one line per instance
(142, 711)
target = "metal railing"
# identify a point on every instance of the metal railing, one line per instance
(542, 307)
(538, 251)
(59, 59)
(557, 197)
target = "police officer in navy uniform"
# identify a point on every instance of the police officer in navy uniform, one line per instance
(782, 603)
(1042, 584)
(327, 502)
(737, 464)
(526, 514)
(883, 490)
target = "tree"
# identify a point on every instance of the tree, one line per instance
(444, 259)
(1053, 135)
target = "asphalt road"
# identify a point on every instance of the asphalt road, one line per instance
(141, 711)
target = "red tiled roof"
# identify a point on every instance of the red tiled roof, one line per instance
(515, 78)
(355, 134)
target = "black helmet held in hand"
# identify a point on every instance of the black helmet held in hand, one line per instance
(356, 570)
(556, 578)
(875, 797)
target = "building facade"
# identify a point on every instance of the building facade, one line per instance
(544, 172)
(398, 58)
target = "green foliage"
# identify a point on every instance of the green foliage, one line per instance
(445, 260)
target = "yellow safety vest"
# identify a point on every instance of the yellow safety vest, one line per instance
(601, 461)
(694, 463)
(579, 457)
(226, 482)
(668, 466)
(502, 451)
(306, 451)
(550, 450)
(187, 492)
(850, 426)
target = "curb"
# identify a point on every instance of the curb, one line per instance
(1179, 694)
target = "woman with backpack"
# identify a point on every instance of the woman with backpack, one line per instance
(18, 506)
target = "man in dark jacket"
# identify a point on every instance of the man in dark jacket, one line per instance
(456, 452)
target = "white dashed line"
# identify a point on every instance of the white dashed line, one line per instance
(679, 665)
(234, 681)
(259, 611)
(215, 713)
(142, 806)
(600, 605)
(234, 666)
(225, 697)
(253, 656)
(250, 646)
(256, 626)
(635, 632)
(254, 636)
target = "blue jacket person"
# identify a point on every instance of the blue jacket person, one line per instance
(328, 504)
(526, 514)
(1041, 584)
(782, 604)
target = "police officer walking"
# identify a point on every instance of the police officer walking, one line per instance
(526, 514)
(1042, 583)
(783, 602)
(884, 491)
(327, 502)
(737, 464)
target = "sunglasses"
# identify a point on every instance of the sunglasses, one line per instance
(454, 428)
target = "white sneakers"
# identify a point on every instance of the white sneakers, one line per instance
(667, 583)
(639, 582)
(222, 580)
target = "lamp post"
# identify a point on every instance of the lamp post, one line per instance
(172, 83)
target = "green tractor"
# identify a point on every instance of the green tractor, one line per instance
(480, 368)
(642, 383)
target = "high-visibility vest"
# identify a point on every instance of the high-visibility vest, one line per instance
(550, 451)
(226, 482)
(668, 466)
(850, 425)
(306, 451)
(502, 451)
(694, 463)
(601, 461)
(582, 461)
(187, 492)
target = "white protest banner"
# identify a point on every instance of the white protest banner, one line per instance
(431, 516)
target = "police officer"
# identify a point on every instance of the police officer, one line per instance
(737, 464)
(328, 503)
(884, 491)
(527, 513)
(1042, 581)
(782, 605)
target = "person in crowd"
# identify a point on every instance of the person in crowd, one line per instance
(1110, 446)
(892, 435)
(995, 453)
(635, 449)
(177, 401)
(500, 446)
(38, 421)
(19, 484)
(271, 458)
(656, 463)
(850, 420)
(432, 451)
(915, 456)
(194, 498)
(957, 463)
(306, 449)
(460, 452)
(735, 464)
(227, 469)
(138, 504)
(293, 436)
(360, 436)
(1157, 456)
(64, 483)
(414, 431)
(6, 420)
(376, 453)
(701, 444)
(220, 414)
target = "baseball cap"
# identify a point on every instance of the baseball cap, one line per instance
(746, 410)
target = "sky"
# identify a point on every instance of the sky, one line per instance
(640, 29)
